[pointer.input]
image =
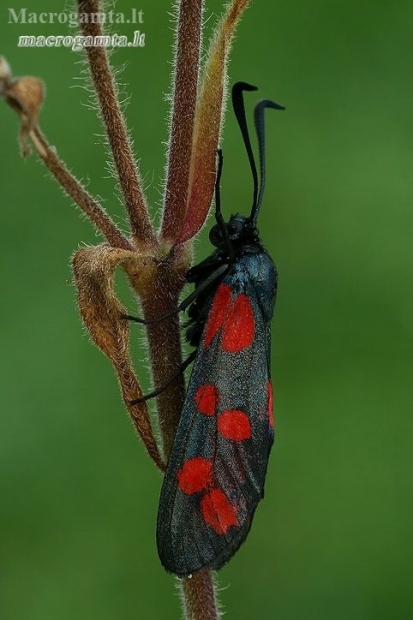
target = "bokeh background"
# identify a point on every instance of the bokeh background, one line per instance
(78, 497)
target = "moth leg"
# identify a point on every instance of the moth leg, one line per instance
(215, 275)
(159, 390)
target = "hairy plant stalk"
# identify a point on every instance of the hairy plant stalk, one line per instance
(90, 207)
(185, 87)
(155, 265)
(208, 121)
(121, 148)
(199, 597)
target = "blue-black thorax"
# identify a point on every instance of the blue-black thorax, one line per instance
(241, 262)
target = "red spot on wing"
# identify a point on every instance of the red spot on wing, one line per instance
(218, 312)
(239, 328)
(270, 404)
(218, 512)
(206, 398)
(194, 475)
(234, 424)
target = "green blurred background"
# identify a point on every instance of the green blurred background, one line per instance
(78, 497)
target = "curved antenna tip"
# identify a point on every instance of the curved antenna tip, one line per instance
(243, 86)
(267, 103)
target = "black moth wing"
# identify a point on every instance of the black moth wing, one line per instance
(186, 543)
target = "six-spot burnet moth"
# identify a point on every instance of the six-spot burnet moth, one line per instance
(216, 470)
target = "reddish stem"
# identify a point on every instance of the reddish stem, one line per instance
(185, 82)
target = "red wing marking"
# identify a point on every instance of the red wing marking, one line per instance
(194, 475)
(270, 404)
(234, 424)
(207, 398)
(218, 312)
(239, 327)
(218, 512)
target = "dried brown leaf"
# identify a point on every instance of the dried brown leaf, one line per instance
(101, 311)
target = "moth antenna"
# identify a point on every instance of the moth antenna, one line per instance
(239, 110)
(260, 130)
(218, 212)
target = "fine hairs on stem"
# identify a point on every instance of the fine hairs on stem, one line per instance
(155, 262)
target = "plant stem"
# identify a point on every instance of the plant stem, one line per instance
(199, 596)
(77, 192)
(104, 83)
(185, 86)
